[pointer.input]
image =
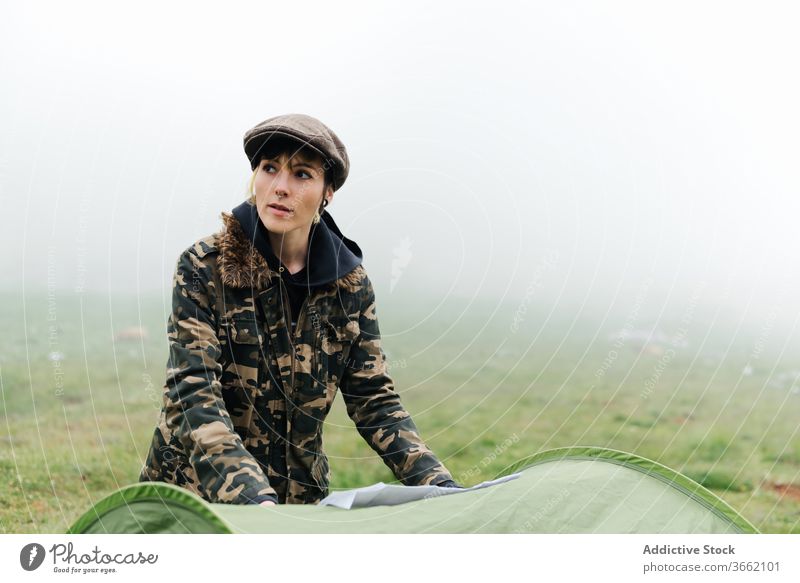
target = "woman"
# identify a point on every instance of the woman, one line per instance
(271, 317)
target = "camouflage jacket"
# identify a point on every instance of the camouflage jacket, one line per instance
(245, 399)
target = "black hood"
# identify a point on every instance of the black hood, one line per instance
(331, 255)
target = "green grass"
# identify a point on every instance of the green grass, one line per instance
(483, 398)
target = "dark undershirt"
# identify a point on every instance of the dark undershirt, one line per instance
(297, 288)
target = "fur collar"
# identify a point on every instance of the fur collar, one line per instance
(242, 266)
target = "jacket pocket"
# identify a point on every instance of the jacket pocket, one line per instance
(243, 329)
(241, 343)
(241, 370)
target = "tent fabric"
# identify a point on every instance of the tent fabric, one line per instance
(566, 490)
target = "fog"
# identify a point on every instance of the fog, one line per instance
(581, 153)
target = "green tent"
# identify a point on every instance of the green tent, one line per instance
(568, 490)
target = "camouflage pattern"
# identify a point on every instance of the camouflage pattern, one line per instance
(245, 401)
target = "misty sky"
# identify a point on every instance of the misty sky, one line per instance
(575, 149)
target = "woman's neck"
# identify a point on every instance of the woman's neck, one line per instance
(291, 248)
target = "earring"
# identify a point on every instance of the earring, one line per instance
(317, 216)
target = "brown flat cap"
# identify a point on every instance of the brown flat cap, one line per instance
(306, 130)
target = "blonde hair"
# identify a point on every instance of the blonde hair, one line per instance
(251, 190)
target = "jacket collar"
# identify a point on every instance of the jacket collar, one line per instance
(246, 258)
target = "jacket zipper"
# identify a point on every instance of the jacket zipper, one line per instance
(292, 338)
(292, 333)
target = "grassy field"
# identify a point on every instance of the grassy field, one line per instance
(78, 406)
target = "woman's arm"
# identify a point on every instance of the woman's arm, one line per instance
(194, 409)
(375, 407)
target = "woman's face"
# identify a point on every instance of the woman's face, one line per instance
(295, 184)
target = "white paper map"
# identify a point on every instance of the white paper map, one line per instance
(381, 494)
